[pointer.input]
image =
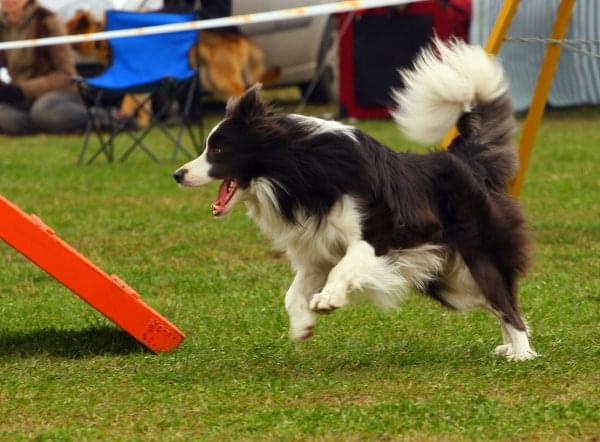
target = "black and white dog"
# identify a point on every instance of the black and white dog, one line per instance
(354, 216)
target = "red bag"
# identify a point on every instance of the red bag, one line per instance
(380, 41)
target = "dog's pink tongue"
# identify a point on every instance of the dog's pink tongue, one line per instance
(222, 198)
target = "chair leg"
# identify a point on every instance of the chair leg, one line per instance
(177, 144)
(88, 126)
(106, 145)
(92, 127)
(107, 141)
(176, 140)
(156, 122)
(138, 140)
(196, 141)
(86, 140)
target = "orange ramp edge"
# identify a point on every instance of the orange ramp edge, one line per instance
(108, 294)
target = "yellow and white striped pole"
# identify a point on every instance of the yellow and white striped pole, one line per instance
(237, 20)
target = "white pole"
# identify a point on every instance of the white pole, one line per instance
(261, 17)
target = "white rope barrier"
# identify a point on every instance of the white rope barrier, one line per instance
(237, 20)
(569, 44)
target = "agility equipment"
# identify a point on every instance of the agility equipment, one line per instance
(542, 89)
(221, 22)
(108, 294)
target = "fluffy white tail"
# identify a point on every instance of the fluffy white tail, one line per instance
(448, 79)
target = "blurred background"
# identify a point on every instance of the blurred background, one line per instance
(351, 60)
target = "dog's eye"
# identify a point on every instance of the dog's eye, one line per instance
(217, 150)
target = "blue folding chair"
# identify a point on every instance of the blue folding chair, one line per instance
(143, 65)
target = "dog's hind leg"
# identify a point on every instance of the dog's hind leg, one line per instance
(519, 348)
(516, 343)
(302, 319)
(506, 348)
(501, 296)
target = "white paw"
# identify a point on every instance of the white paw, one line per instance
(325, 303)
(522, 356)
(302, 333)
(503, 349)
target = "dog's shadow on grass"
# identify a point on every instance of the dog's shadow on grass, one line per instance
(88, 342)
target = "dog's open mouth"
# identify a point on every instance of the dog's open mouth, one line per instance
(221, 205)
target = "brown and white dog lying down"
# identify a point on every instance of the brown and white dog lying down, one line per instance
(228, 61)
(358, 219)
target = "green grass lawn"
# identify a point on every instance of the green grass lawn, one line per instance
(420, 373)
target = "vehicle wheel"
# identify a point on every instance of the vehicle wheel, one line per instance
(325, 88)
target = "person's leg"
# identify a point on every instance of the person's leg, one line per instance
(59, 111)
(14, 120)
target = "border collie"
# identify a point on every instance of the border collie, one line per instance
(355, 216)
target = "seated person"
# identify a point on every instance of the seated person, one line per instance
(41, 95)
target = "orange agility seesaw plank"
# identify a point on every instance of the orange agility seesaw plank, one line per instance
(107, 294)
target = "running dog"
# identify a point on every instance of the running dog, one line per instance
(356, 217)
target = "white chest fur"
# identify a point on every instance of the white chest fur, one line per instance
(313, 247)
(307, 242)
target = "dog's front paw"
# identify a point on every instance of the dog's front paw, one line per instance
(325, 302)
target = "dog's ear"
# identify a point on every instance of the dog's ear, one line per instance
(248, 106)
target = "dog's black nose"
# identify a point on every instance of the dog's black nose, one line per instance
(179, 174)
